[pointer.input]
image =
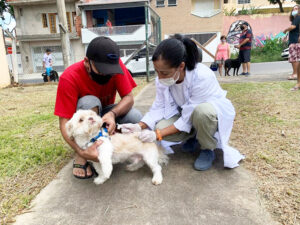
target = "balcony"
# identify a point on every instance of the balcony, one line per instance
(123, 35)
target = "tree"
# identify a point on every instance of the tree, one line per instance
(279, 2)
(4, 6)
(297, 1)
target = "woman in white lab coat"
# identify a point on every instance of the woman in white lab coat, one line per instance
(189, 106)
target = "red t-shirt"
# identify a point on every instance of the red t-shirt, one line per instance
(75, 83)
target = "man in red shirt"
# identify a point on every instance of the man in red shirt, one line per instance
(93, 84)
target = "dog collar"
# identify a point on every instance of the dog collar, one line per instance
(102, 133)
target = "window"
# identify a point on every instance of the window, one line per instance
(44, 20)
(172, 2)
(225, 1)
(243, 1)
(160, 3)
(69, 22)
(73, 18)
(52, 22)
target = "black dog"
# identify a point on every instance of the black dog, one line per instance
(232, 63)
(53, 76)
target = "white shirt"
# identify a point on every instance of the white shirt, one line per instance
(178, 93)
(47, 59)
(200, 86)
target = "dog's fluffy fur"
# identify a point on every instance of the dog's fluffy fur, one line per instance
(232, 63)
(86, 124)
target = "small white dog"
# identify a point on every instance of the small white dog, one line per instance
(86, 126)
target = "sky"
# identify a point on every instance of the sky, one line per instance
(8, 22)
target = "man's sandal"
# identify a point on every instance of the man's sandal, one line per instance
(84, 167)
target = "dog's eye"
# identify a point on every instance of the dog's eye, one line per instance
(80, 120)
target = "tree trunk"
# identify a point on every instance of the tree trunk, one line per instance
(280, 5)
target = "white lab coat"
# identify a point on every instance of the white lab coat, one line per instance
(200, 86)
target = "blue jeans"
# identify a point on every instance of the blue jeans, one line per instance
(90, 101)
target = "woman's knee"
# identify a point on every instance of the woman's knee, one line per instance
(204, 111)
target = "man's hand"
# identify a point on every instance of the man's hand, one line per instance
(237, 46)
(91, 153)
(109, 119)
(147, 136)
(129, 128)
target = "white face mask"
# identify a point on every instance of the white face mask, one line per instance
(294, 13)
(171, 80)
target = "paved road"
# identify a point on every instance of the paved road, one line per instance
(259, 71)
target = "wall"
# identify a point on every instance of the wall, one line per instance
(263, 26)
(4, 75)
(178, 19)
(30, 22)
(257, 4)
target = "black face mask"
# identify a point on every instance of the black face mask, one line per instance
(242, 27)
(100, 79)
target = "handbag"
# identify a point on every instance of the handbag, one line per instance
(214, 66)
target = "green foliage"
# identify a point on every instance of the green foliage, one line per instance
(279, 2)
(297, 1)
(4, 6)
(271, 51)
(249, 11)
(230, 12)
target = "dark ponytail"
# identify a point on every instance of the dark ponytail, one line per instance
(177, 49)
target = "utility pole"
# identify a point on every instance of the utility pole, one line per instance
(64, 35)
(12, 35)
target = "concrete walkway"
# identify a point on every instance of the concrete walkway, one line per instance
(217, 196)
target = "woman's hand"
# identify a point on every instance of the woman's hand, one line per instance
(129, 128)
(147, 136)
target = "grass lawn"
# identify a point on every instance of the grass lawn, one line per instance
(266, 130)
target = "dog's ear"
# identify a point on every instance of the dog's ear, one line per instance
(69, 129)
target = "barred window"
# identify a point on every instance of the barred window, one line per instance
(243, 1)
(172, 2)
(160, 3)
(44, 20)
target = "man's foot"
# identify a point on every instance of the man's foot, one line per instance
(82, 169)
(243, 73)
(190, 145)
(247, 74)
(205, 160)
(296, 88)
(292, 77)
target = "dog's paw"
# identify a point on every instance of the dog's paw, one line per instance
(156, 180)
(99, 180)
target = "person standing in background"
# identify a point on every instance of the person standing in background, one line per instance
(293, 30)
(222, 53)
(244, 46)
(47, 63)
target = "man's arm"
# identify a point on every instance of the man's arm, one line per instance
(292, 27)
(120, 109)
(90, 153)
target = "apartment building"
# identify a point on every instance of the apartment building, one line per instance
(38, 29)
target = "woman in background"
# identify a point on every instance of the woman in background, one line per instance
(222, 53)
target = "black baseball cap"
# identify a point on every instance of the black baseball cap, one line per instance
(105, 55)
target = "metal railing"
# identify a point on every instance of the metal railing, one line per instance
(115, 30)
